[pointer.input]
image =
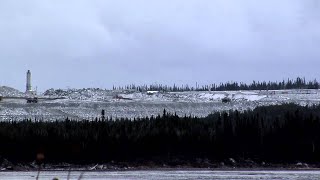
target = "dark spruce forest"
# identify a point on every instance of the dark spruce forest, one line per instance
(279, 134)
(298, 83)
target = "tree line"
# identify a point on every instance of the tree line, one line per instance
(279, 133)
(298, 83)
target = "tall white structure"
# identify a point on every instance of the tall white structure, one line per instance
(28, 85)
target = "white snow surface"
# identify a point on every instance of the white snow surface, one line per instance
(88, 103)
(203, 174)
(8, 91)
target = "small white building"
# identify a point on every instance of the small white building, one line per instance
(152, 92)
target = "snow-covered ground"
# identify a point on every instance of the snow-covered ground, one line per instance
(164, 175)
(88, 103)
(8, 91)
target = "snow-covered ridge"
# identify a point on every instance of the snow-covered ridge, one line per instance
(192, 96)
(80, 94)
(8, 91)
(88, 103)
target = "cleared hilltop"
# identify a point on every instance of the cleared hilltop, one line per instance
(88, 103)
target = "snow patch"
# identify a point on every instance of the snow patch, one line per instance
(8, 91)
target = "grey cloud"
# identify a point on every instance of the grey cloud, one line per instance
(98, 43)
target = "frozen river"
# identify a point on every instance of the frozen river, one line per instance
(164, 175)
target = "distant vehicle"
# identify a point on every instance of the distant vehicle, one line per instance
(226, 100)
(32, 100)
(121, 97)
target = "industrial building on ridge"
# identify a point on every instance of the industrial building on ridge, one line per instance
(30, 95)
(29, 91)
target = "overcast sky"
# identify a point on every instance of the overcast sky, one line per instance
(100, 43)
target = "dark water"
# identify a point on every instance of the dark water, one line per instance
(164, 175)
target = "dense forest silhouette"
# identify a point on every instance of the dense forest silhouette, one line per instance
(298, 83)
(280, 133)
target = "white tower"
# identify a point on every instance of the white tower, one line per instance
(28, 86)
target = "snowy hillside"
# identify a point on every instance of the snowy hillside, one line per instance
(88, 103)
(8, 91)
(192, 96)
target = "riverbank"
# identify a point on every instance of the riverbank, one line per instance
(162, 174)
(199, 164)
